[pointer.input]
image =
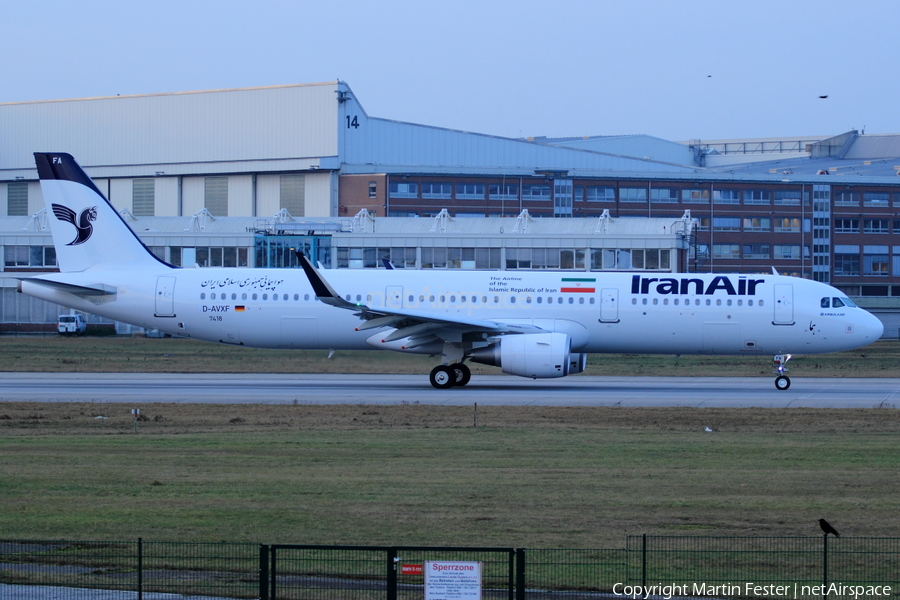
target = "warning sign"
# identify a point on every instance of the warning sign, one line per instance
(410, 569)
(452, 581)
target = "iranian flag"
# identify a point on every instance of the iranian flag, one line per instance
(578, 285)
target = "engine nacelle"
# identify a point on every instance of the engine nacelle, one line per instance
(538, 355)
(577, 363)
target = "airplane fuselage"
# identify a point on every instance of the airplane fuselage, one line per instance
(669, 313)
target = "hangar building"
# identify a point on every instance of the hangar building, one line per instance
(234, 177)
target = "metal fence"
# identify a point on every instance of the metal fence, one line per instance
(676, 565)
(797, 567)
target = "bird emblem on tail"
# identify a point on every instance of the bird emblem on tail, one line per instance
(83, 224)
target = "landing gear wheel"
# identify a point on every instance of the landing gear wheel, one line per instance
(782, 382)
(442, 377)
(462, 374)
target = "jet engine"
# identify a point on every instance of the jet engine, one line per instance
(537, 355)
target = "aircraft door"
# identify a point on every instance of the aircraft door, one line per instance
(393, 296)
(784, 304)
(165, 296)
(609, 305)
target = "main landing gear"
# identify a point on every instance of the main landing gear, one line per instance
(782, 381)
(444, 377)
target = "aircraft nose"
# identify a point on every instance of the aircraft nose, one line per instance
(871, 328)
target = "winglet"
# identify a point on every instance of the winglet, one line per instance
(321, 288)
(775, 272)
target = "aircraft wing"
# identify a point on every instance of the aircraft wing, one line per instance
(406, 322)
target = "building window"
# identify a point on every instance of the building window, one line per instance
(846, 198)
(601, 194)
(650, 259)
(787, 197)
(206, 256)
(562, 198)
(876, 226)
(846, 265)
(503, 191)
(536, 192)
(664, 195)
(846, 225)
(726, 223)
(757, 251)
(876, 262)
(760, 224)
(695, 196)
(143, 197)
(470, 191)
(631, 194)
(437, 191)
(787, 251)
(29, 256)
(876, 199)
(787, 225)
(726, 196)
(703, 223)
(404, 190)
(216, 196)
(373, 189)
(726, 251)
(17, 199)
(757, 197)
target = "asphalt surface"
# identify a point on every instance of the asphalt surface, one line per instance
(737, 392)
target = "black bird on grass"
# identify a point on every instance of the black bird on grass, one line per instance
(828, 528)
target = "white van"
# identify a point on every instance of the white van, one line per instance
(71, 325)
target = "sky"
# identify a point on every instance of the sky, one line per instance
(675, 69)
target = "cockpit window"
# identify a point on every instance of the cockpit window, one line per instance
(836, 302)
(847, 302)
(826, 302)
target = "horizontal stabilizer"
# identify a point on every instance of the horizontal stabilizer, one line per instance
(82, 291)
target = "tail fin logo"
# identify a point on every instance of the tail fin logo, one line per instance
(83, 224)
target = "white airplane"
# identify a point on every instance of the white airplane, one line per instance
(535, 324)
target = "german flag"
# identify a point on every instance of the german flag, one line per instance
(239, 309)
(578, 285)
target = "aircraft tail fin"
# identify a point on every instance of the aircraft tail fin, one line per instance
(87, 231)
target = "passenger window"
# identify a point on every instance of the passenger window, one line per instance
(539, 299)
(203, 296)
(749, 302)
(836, 303)
(254, 297)
(826, 302)
(634, 300)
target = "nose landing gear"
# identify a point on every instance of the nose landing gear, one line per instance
(782, 381)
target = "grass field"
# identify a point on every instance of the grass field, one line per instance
(126, 354)
(414, 474)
